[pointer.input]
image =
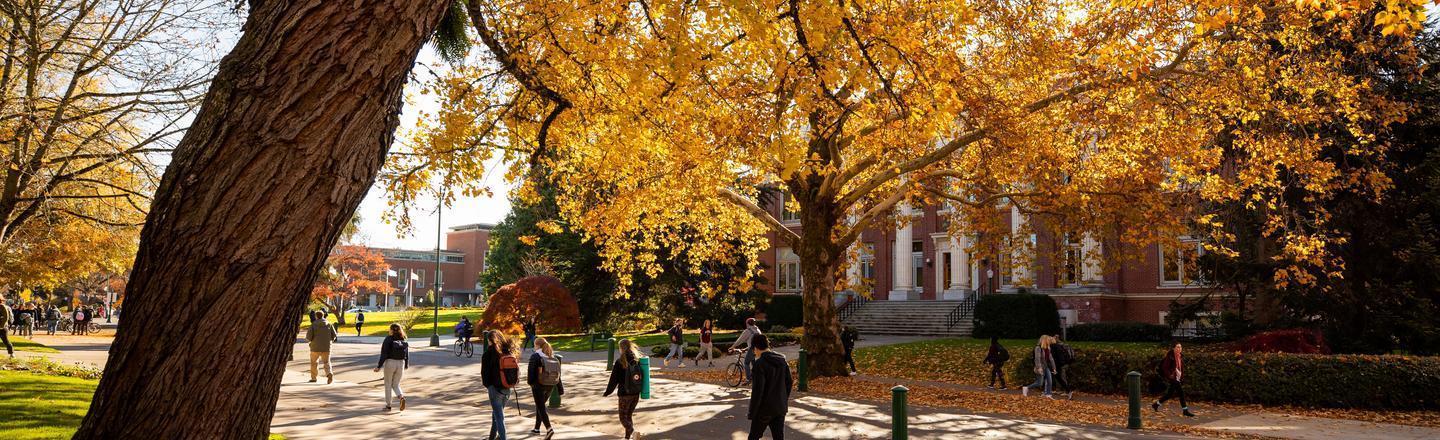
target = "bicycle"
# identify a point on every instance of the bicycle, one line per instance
(464, 347)
(735, 372)
(92, 328)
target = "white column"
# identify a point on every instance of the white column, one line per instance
(959, 269)
(902, 270)
(1090, 250)
(1020, 265)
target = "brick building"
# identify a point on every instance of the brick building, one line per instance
(461, 263)
(931, 265)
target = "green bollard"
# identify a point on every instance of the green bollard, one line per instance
(804, 368)
(1132, 381)
(644, 377)
(555, 391)
(610, 360)
(901, 429)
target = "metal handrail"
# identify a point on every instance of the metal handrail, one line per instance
(851, 306)
(961, 311)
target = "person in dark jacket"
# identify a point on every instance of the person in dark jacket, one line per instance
(848, 336)
(1173, 369)
(394, 359)
(625, 377)
(530, 333)
(359, 321)
(6, 315)
(770, 393)
(533, 376)
(496, 345)
(996, 358)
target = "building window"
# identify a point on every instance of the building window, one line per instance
(786, 215)
(1071, 262)
(402, 278)
(917, 261)
(1178, 265)
(454, 259)
(787, 271)
(946, 272)
(419, 277)
(867, 263)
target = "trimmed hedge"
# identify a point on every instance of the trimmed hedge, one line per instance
(1331, 381)
(1119, 332)
(1017, 316)
(786, 310)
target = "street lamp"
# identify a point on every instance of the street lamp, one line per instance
(435, 300)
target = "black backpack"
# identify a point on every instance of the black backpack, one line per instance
(634, 382)
(1002, 355)
(1062, 353)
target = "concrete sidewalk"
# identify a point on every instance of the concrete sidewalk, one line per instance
(1315, 428)
(349, 410)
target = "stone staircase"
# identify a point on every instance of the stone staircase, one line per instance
(915, 318)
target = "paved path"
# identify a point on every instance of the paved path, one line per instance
(1313, 428)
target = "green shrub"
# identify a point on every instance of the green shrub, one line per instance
(1017, 316)
(1119, 332)
(786, 310)
(48, 367)
(1332, 381)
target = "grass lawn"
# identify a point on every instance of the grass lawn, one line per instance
(645, 340)
(378, 323)
(957, 360)
(22, 344)
(37, 406)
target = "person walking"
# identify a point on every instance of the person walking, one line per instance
(996, 357)
(5, 316)
(706, 346)
(543, 376)
(743, 343)
(1044, 369)
(319, 337)
(359, 321)
(394, 359)
(78, 316)
(770, 394)
(499, 371)
(626, 378)
(1173, 369)
(530, 332)
(27, 320)
(1064, 356)
(848, 336)
(52, 320)
(677, 343)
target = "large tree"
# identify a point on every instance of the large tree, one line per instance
(1087, 115)
(350, 270)
(287, 141)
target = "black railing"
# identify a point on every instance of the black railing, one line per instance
(851, 306)
(965, 310)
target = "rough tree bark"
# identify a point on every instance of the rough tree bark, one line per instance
(820, 260)
(288, 140)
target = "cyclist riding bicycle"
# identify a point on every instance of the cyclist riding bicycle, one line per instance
(464, 329)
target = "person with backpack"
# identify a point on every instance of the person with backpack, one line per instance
(707, 346)
(543, 376)
(1064, 356)
(394, 359)
(499, 372)
(677, 343)
(625, 377)
(359, 321)
(1044, 368)
(770, 394)
(848, 336)
(1173, 370)
(528, 325)
(996, 357)
(79, 318)
(319, 337)
(743, 343)
(52, 319)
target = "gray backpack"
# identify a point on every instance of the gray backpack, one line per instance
(549, 370)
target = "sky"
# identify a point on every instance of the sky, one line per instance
(464, 210)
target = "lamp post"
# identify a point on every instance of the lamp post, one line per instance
(435, 299)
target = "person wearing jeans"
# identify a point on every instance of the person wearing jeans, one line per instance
(394, 358)
(497, 345)
(1044, 368)
(1172, 368)
(677, 343)
(743, 343)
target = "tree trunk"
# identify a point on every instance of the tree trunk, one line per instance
(820, 261)
(290, 137)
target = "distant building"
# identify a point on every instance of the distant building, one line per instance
(461, 263)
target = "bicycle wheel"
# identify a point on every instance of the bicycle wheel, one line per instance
(94, 328)
(459, 348)
(734, 374)
(469, 350)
